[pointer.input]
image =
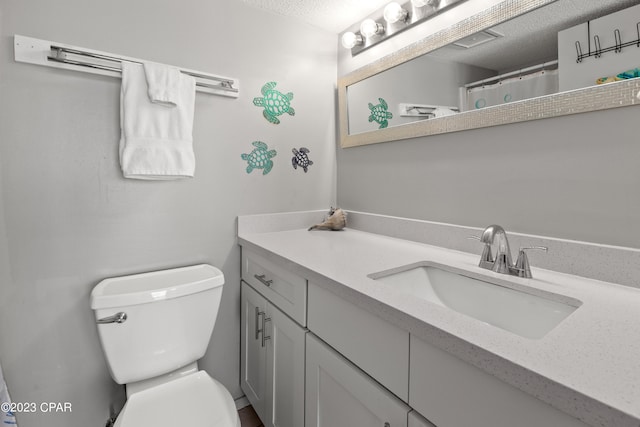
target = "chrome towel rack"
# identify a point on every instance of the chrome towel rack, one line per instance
(58, 55)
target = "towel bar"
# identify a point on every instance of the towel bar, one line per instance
(52, 54)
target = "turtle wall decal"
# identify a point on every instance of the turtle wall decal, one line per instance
(275, 103)
(301, 159)
(259, 158)
(379, 113)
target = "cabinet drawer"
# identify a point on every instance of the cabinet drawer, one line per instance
(373, 344)
(453, 393)
(285, 290)
(338, 394)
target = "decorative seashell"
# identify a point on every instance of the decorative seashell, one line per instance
(336, 220)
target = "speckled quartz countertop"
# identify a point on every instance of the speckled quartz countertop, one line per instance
(587, 366)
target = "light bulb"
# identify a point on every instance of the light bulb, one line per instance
(369, 28)
(351, 40)
(393, 12)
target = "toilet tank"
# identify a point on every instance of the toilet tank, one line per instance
(170, 316)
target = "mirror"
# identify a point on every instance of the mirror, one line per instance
(452, 80)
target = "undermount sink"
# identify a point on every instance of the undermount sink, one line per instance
(514, 310)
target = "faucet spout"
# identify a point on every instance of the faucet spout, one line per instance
(503, 262)
(496, 234)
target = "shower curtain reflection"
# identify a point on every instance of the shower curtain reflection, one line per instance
(517, 88)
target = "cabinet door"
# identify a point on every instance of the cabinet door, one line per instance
(252, 352)
(338, 394)
(285, 371)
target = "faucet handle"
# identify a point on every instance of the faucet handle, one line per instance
(486, 259)
(522, 267)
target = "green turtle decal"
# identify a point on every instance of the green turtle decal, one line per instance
(379, 113)
(274, 102)
(259, 158)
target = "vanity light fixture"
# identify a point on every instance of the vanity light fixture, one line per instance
(393, 13)
(398, 16)
(351, 40)
(370, 28)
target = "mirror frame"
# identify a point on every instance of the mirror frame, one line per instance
(593, 98)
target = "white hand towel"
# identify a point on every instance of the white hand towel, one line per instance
(163, 82)
(156, 142)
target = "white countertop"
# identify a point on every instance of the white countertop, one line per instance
(588, 366)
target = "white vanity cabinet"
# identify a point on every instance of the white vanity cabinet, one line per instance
(338, 394)
(272, 361)
(353, 368)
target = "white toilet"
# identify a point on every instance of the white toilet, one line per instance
(153, 328)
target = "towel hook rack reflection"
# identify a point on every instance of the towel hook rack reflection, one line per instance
(599, 50)
(616, 35)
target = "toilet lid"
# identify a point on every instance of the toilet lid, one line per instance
(195, 400)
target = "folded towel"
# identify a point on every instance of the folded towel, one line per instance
(156, 142)
(163, 82)
(625, 75)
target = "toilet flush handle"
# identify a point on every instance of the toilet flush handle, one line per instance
(120, 317)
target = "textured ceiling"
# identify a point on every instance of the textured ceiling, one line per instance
(330, 15)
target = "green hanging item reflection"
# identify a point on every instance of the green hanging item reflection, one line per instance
(379, 113)
(259, 158)
(274, 102)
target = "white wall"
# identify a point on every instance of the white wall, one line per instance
(72, 220)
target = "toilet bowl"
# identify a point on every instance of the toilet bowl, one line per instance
(196, 400)
(153, 328)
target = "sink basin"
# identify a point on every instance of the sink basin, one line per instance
(490, 301)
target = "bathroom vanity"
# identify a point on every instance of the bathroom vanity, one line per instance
(325, 343)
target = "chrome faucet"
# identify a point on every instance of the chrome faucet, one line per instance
(503, 262)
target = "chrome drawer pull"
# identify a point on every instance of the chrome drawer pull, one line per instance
(265, 319)
(258, 314)
(120, 317)
(263, 280)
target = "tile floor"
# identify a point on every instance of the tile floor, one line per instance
(248, 417)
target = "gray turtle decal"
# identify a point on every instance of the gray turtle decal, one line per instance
(259, 158)
(379, 113)
(301, 159)
(274, 102)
